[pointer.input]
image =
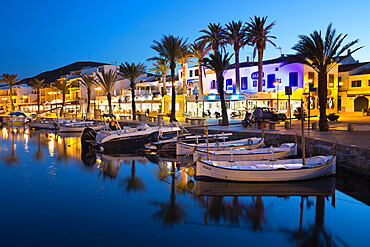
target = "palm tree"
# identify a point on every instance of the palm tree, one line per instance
(131, 72)
(161, 67)
(88, 82)
(172, 212)
(107, 81)
(199, 51)
(37, 85)
(11, 80)
(185, 58)
(258, 36)
(170, 48)
(256, 213)
(319, 54)
(63, 87)
(214, 36)
(133, 183)
(219, 63)
(236, 36)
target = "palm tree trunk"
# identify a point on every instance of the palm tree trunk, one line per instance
(323, 93)
(38, 100)
(133, 102)
(88, 102)
(200, 78)
(11, 95)
(220, 84)
(173, 108)
(260, 72)
(237, 71)
(163, 84)
(109, 97)
(63, 103)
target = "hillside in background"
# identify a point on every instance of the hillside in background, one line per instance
(53, 75)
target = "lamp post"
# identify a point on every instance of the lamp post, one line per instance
(276, 84)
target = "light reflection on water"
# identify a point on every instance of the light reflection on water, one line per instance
(51, 193)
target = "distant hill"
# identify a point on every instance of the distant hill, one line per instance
(53, 75)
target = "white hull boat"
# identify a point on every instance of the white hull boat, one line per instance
(267, 171)
(80, 126)
(239, 154)
(183, 148)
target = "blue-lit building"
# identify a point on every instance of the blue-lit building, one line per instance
(276, 77)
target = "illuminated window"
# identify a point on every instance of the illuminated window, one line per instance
(196, 72)
(213, 84)
(244, 83)
(270, 81)
(229, 82)
(293, 79)
(356, 83)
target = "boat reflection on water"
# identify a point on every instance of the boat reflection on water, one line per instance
(233, 210)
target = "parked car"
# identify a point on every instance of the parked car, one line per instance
(269, 113)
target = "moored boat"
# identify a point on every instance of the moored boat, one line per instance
(80, 126)
(183, 148)
(238, 154)
(267, 171)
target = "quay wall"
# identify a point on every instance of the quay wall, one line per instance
(352, 160)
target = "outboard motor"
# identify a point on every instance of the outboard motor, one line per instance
(87, 138)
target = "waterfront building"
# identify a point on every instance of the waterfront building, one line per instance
(354, 87)
(277, 76)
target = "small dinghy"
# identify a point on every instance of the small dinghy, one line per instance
(268, 171)
(239, 154)
(184, 147)
(80, 126)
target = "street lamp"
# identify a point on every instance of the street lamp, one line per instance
(309, 102)
(98, 89)
(276, 84)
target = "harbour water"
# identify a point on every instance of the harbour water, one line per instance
(52, 195)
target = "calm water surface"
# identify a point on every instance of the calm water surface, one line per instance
(50, 196)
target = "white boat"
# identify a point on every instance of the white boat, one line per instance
(183, 148)
(80, 126)
(236, 154)
(16, 119)
(44, 124)
(114, 139)
(267, 171)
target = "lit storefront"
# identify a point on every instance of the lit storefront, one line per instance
(196, 105)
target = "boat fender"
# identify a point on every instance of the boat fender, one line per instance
(191, 184)
(250, 143)
(191, 171)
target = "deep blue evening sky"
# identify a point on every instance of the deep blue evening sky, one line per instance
(42, 35)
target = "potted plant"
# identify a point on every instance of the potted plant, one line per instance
(333, 117)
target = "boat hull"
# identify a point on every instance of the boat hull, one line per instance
(264, 174)
(183, 148)
(245, 154)
(79, 128)
(127, 145)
